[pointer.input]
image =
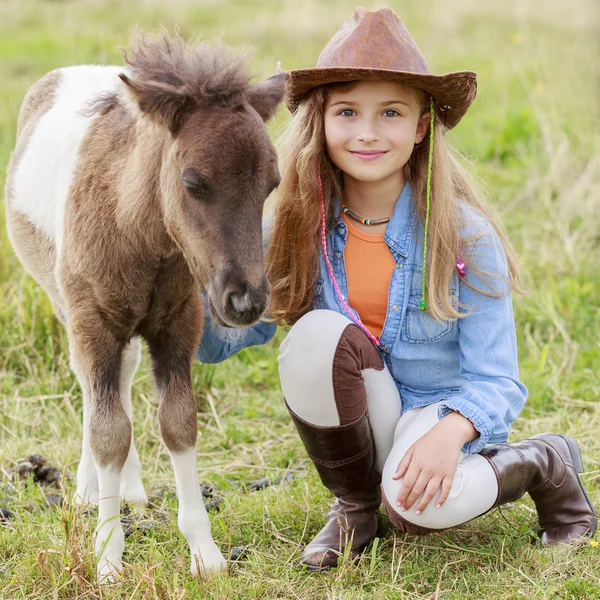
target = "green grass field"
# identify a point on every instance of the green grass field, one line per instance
(533, 136)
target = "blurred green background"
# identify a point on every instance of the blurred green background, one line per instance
(532, 136)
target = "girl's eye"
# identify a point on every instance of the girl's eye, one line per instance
(347, 112)
(390, 112)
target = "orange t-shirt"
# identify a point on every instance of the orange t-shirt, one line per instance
(369, 268)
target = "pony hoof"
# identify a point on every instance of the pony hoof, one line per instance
(135, 494)
(209, 562)
(108, 571)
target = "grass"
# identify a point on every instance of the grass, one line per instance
(533, 137)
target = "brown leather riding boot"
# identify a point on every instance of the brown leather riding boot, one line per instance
(547, 467)
(344, 457)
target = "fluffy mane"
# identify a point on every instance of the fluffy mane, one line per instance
(206, 70)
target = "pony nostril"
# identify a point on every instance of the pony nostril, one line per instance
(241, 302)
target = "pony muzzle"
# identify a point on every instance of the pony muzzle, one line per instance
(236, 303)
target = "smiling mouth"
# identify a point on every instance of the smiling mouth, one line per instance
(369, 154)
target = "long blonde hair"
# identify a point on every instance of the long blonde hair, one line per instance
(292, 259)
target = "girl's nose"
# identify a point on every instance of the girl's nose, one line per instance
(368, 136)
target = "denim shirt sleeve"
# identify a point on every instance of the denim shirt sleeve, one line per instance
(219, 343)
(492, 396)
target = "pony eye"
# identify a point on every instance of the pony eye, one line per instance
(195, 184)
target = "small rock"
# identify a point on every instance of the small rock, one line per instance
(37, 460)
(208, 491)
(21, 470)
(214, 504)
(6, 515)
(127, 518)
(145, 525)
(48, 476)
(238, 552)
(260, 484)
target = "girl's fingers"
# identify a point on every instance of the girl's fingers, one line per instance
(446, 487)
(407, 485)
(432, 487)
(403, 465)
(417, 489)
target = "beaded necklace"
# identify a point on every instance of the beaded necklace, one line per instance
(354, 216)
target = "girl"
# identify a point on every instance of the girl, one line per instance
(400, 371)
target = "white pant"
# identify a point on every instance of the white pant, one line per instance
(305, 369)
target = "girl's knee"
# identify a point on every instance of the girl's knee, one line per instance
(311, 343)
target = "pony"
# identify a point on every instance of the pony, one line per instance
(134, 197)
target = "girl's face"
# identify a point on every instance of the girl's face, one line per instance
(372, 127)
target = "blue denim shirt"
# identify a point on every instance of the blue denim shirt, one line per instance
(470, 364)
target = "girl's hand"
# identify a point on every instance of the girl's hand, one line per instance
(431, 462)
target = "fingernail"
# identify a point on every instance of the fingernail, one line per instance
(417, 512)
(438, 505)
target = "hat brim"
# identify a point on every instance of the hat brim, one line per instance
(453, 93)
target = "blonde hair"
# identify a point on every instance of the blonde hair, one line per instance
(292, 259)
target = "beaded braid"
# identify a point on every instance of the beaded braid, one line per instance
(428, 196)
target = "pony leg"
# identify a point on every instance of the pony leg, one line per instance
(87, 475)
(131, 488)
(192, 518)
(172, 351)
(98, 354)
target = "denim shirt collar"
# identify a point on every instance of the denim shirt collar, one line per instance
(400, 229)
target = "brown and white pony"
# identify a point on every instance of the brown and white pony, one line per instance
(128, 189)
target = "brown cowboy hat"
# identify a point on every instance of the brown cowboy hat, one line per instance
(376, 45)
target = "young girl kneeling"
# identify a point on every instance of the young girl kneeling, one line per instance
(400, 371)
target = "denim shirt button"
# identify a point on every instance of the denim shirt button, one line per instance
(342, 229)
(338, 255)
(395, 308)
(398, 265)
(384, 348)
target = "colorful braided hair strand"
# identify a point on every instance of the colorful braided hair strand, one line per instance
(428, 200)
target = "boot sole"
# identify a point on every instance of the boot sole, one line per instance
(578, 463)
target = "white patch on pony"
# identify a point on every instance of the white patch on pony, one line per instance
(192, 519)
(46, 170)
(131, 489)
(110, 539)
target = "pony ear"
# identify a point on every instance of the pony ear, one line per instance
(161, 101)
(266, 96)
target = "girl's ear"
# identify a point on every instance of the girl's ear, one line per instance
(422, 125)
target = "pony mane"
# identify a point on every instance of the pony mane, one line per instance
(207, 71)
